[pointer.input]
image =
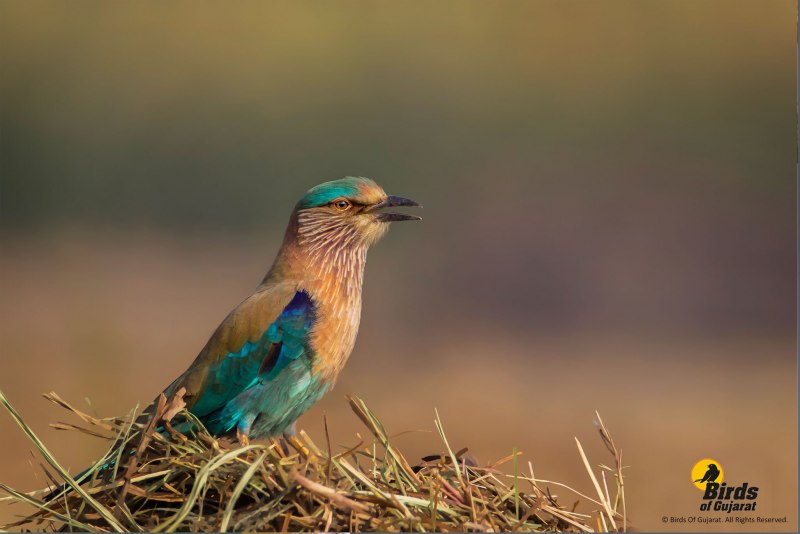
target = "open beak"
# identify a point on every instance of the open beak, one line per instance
(391, 202)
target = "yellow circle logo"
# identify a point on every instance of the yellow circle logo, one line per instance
(705, 471)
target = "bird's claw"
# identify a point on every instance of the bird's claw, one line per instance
(244, 439)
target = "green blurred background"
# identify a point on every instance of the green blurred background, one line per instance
(609, 218)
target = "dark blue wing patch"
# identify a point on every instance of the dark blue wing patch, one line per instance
(288, 334)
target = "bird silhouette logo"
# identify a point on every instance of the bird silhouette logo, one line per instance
(711, 475)
(705, 471)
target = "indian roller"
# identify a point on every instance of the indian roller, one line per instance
(280, 350)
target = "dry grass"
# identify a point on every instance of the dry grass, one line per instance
(194, 482)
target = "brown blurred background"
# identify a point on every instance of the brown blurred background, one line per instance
(609, 219)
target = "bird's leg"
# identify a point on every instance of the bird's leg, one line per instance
(283, 441)
(242, 438)
(290, 431)
(284, 445)
(290, 437)
(243, 431)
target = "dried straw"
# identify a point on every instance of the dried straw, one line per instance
(194, 482)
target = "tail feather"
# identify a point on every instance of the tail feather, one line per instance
(106, 470)
(80, 478)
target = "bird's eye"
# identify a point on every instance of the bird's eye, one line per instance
(341, 204)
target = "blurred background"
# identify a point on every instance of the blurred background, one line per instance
(609, 220)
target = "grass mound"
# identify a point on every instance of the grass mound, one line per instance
(195, 482)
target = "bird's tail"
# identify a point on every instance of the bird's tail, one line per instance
(128, 445)
(106, 470)
(80, 479)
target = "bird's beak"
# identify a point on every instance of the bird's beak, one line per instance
(393, 201)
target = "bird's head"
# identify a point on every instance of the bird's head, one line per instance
(347, 213)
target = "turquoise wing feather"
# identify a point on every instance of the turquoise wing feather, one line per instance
(256, 363)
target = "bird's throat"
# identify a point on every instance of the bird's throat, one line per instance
(332, 273)
(335, 285)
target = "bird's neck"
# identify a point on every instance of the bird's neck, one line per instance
(332, 274)
(327, 268)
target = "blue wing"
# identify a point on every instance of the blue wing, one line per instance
(256, 362)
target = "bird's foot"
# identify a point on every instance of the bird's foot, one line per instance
(298, 445)
(285, 451)
(242, 438)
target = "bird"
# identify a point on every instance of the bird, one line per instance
(711, 475)
(283, 347)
